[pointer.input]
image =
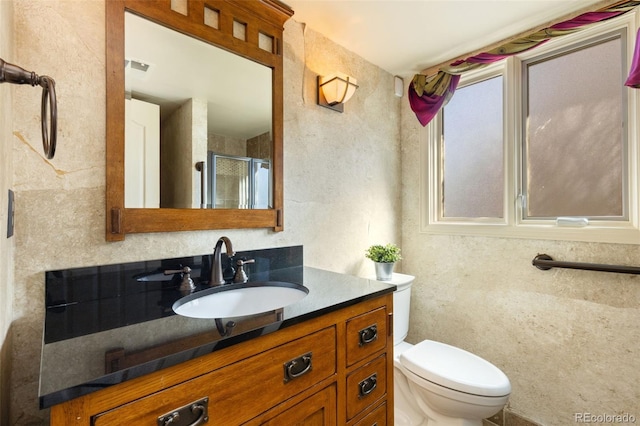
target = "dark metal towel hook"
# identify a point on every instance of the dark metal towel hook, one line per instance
(10, 73)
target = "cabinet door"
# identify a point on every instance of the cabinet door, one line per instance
(317, 410)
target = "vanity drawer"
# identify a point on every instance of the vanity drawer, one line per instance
(377, 417)
(366, 385)
(318, 409)
(366, 334)
(265, 379)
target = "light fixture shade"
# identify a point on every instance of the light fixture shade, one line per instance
(336, 89)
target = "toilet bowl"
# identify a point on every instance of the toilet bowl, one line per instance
(436, 384)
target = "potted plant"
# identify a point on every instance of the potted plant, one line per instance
(384, 258)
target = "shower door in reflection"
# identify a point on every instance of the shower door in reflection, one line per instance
(239, 182)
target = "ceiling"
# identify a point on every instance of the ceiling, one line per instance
(404, 37)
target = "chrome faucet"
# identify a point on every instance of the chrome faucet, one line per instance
(216, 267)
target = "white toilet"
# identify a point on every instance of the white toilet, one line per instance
(439, 384)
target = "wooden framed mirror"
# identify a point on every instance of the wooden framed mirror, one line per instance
(247, 33)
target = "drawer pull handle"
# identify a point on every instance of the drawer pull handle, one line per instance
(368, 385)
(188, 412)
(297, 367)
(368, 335)
(202, 419)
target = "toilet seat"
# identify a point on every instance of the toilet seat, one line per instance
(455, 368)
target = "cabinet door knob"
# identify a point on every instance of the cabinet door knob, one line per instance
(297, 367)
(368, 335)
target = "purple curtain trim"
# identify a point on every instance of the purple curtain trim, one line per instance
(489, 58)
(585, 19)
(426, 107)
(633, 80)
(485, 58)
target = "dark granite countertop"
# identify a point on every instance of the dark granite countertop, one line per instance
(105, 324)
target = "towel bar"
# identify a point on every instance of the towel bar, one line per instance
(546, 262)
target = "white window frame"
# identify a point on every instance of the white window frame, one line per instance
(512, 225)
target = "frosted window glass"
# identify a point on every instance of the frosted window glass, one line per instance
(574, 135)
(473, 178)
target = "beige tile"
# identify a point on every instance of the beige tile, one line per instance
(496, 419)
(513, 419)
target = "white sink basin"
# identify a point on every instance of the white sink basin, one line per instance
(236, 300)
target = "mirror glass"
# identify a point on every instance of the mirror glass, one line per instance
(198, 123)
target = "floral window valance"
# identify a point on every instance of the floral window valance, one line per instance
(428, 94)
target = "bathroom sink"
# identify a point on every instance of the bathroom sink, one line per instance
(236, 300)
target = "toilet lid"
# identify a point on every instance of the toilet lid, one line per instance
(455, 368)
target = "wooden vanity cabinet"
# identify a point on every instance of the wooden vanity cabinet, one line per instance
(335, 369)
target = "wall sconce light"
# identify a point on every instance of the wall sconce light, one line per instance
(335, 89)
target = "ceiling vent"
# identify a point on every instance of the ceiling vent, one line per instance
(137, 69)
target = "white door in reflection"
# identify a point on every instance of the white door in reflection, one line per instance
(142, 154)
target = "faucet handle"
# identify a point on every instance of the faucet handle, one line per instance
(185, 270)
(241, 275)
(186, 285)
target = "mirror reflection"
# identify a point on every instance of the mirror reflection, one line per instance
(188, 102)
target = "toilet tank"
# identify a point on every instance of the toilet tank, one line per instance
(401, 304)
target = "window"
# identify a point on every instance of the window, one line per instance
(472, 152)
(539, 146)
(574, 135)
